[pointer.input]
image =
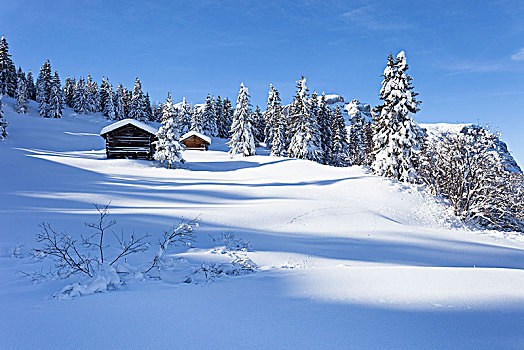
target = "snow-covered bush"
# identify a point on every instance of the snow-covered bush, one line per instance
(466, 169)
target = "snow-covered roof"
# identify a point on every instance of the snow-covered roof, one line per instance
(123, 122)
(197, 134)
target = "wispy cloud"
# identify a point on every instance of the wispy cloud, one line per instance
(373, 17)
(518, 56)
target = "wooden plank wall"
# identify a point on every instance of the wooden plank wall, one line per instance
(129, 142)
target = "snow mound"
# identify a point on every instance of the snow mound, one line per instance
(106, 279)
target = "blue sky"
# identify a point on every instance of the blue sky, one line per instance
(466, 57)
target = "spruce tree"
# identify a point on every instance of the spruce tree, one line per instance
(3, 122)
(357, 151)
(304, 143)
(209, 122)
(20, 74)
(30, 85)
(93, 95)
(272, 115)
(339, 145)
(259, 124)
(184, 116)
(109, 106)
(148, 111)
(119, 103)
(278, 136)
(104, 94)
(242, 139)
(196, 118)
(168, 149)
(80, 100)
(56, 98)
(396, 137)
(227, 118)
(219, 114)
(43, 86)
(69, 91)
(136, 105)
(21, 96)
(8, 78)
(325, 121)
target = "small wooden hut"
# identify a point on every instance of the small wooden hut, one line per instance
(195, 140)
(129, 138)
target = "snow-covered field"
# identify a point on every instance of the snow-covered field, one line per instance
(345, 259)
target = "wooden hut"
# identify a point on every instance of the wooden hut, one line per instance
(129, 138)
(195, 140)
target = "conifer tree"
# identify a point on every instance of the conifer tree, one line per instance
(136, 106)
(304, 133)
(3, 122)
(273, 114)
(184, 116)
(242, 139)
(8, 78)
(21, 96)
(93, 95)
(168, 148)
(109, 106)
(69, 91)
(396, 137)
(56, 98)
(104, 94)
(43, 86)
(325, 121)
(148, 111)
(20, 74)
(119, 103)
(196, 118)
(80, 100)
(30, 85)
(339, 146)
(278, 136)
(219, 115)
(208, 121)
(226, 118)
(357, 146)
(259, 124)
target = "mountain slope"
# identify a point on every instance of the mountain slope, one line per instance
(346, 259)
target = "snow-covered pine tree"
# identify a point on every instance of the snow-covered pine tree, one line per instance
(56, 98)
(168, 149)
(278, 135)
(357, 152)
(119, 103)
(217, 107)
(325, 121)
(242, 139)
(208, 121)
(104, 94)
(30, 84)
(21, 96)
(8, 78)
(196, 118)
(339, 144)
(227, 118)
(305, 142)
(3, 122)
(184, 116)
(148, 111)
(109, 106)
(43, 87)
(80, 101)
(69, 91)
(157, 112)
(20, 74)
(93, 95)
(259, 124)
(136, 106)
(272, 114)
(396, 137)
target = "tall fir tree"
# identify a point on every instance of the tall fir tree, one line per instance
(21, 96)
(226, 119)
(80, 101)
(43, 87)
(242, 140)
(339, 145)
(119, 103)
(8, 78)
(196, 118)
(93, 95)
(209, 122)
(104, 94)
(168, 149)
(136, 105)
(56, 98)
(325, 121)
(148, 110)
(357, 137)
(3, 122)
(396, 138)
(30, 84)
(219, 116)
(259, 124)
(69, 91)
(304, 134)
(20, 74)
(278, 136)
(184, 116)
(109, 105)
(272, 115)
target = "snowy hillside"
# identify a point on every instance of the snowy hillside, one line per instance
(345, 259)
